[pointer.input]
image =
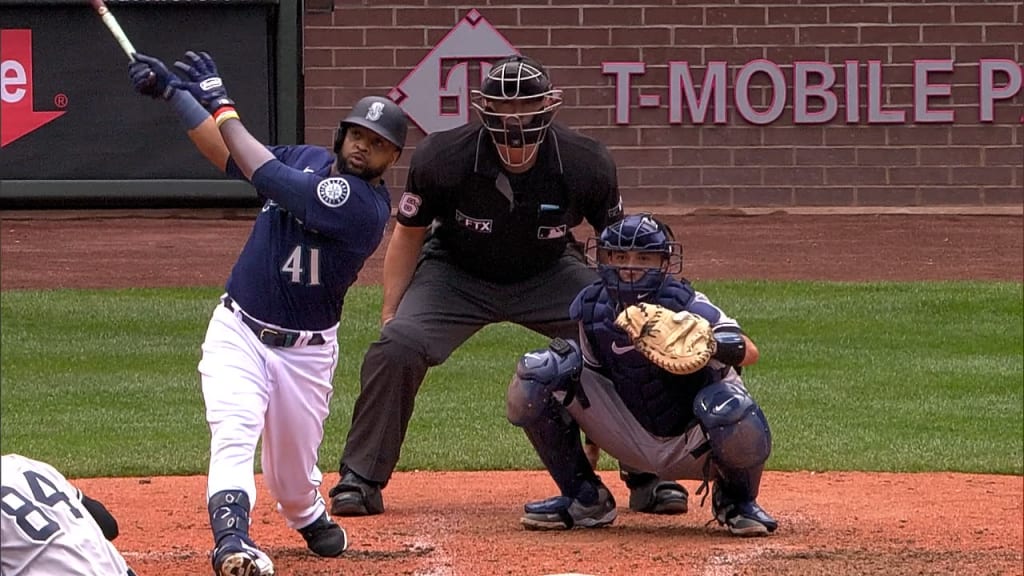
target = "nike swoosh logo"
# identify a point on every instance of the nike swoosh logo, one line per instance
(308, 170)
(719, 407)
(620, 350)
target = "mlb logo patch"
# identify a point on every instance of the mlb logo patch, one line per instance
(551, 232)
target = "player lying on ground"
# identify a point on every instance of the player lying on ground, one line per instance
(49, 527)
(649, 383)
(271, 348)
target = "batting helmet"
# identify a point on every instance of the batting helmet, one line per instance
(378, 114)
(517, 79)
(632, 280)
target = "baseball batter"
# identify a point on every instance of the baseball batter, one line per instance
(271, 347)
(700, 426)
(49, 527)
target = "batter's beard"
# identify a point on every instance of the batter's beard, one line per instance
(367, 173)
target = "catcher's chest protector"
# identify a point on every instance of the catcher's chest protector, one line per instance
(660, 401)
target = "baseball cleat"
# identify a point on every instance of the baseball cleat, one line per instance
(741, 518)
(238, 564)
(237, 556)
(324, 537)
(355, 496)
(659, 497)
(564, 513)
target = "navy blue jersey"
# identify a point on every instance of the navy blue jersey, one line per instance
(660, 401)
(297, 265)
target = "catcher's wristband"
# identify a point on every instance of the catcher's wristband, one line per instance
(223, 114)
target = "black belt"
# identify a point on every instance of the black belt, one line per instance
(270, 336)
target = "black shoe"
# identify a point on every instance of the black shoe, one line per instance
(651, 495)
(356, 496)
(741, 518)
(659, 497)
(324, 537)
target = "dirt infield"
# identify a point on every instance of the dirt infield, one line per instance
(114, 249)
(466, 524)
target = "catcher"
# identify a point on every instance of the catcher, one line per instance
(654, 382)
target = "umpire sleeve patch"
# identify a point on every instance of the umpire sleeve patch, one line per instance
(333, 192)
(409, 205)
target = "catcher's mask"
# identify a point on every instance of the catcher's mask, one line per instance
(516, 104)
(378, 114)
(634, 256)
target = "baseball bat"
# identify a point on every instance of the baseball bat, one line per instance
(114, 27)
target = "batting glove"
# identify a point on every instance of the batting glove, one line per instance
(150, 77)
(205, 84)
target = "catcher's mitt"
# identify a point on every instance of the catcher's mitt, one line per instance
(679, 342)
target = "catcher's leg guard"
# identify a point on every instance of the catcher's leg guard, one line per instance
(539, 374)
(556, 439)
(735, 426)
(741, 442)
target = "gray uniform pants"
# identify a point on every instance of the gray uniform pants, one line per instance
(609, 423)
(440, 310)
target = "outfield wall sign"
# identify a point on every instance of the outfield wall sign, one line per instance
(813, 92)
(435, 94)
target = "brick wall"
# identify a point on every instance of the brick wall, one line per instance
(371, 47)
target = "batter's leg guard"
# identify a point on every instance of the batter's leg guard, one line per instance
(234, 553)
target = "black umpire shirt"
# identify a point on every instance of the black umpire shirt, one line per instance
(505, 227)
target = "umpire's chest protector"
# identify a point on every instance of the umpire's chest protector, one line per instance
(660, 401)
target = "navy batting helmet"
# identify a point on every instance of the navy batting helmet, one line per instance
(378, 114)
(634, 256)
(514, 79)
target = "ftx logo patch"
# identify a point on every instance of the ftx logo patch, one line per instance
(435, 94)
(474, 224)
(17, 115)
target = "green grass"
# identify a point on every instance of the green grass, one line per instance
(886, 376)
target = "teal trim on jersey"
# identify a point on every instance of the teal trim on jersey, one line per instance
(877, 377)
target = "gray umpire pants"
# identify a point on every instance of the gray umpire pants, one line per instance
(440, 310)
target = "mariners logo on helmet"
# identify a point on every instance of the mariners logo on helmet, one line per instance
(376, 109)
(333, 192)
(379, 115)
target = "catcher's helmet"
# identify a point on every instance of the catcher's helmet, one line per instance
(378, 114)
(632, 279)
(517, 79)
